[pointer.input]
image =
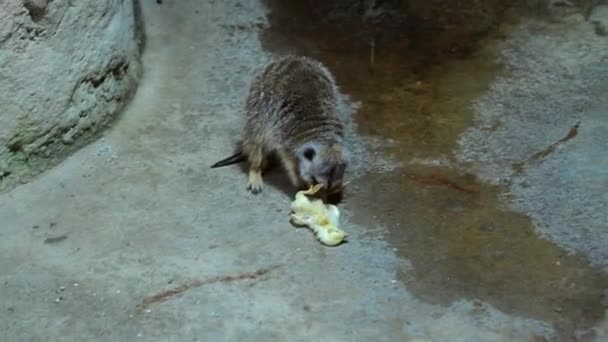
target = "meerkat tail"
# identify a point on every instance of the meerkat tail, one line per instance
(233, 159)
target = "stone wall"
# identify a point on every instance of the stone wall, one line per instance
(66, 69)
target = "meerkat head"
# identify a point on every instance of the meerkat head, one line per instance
(323, 163)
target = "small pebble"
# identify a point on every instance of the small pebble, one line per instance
(75, 284)
(393, 281)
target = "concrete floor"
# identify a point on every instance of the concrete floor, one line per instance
(135, 238)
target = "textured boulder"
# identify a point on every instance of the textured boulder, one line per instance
(66, 69)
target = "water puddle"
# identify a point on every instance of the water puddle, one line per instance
(463, 243)
(416, 76)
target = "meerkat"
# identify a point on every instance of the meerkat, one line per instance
(292, 112)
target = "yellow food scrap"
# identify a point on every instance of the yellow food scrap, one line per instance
(322, 219)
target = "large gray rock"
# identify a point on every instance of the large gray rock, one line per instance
(66, 69)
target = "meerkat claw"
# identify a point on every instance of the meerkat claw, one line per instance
(313, 189)
(254, 188)
(255, 182)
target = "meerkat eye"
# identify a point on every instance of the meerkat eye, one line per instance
(309, 154)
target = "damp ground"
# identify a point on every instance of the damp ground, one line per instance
(416, 84)
(135, 238)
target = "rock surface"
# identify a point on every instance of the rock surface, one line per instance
(67, 67)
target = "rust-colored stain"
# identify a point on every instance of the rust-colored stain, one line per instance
(438, 179)
(573, 132)
(414, 77)
(464, 245)
(172, 293)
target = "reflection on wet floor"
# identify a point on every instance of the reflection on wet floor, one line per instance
(416, 77)
(462, 243)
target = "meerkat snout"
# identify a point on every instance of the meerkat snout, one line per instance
(323, 164)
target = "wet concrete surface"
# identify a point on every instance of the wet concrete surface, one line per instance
(463, 244)
(159, 247)
(416, 82)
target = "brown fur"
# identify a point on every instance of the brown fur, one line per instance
(292, 110)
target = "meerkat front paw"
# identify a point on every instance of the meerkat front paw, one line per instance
(255, 182)
(254, 188)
